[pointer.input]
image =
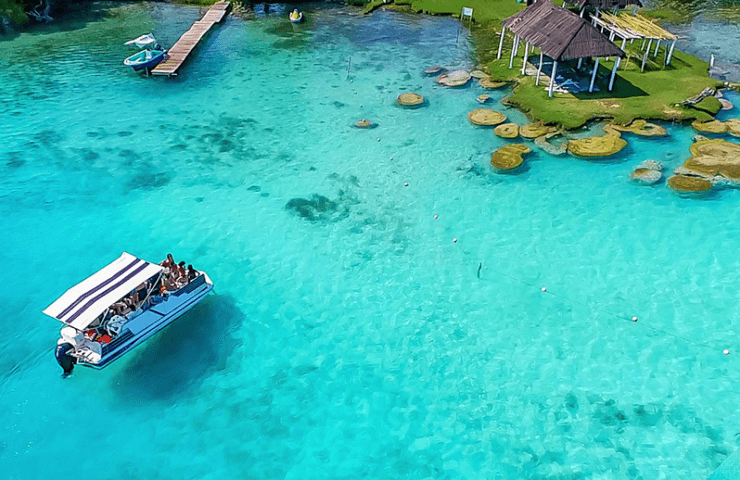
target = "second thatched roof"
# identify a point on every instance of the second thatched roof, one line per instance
(560, 33)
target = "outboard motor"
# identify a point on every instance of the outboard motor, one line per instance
(65, 359)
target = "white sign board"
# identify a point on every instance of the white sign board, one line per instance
(467, 12)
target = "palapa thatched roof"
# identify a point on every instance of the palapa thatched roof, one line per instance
(560, 33)
(603, 4)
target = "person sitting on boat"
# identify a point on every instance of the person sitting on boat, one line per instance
(121, 308)
(192, 273)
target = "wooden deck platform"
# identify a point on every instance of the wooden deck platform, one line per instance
(179, 52)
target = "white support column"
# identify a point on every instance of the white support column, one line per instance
(580, 63)
(670, 53)
(583, 10)
(611, 39)
(649, 45)
(656, 49)
(552, 76)
(501, 43)
(526, 57)
(513, 52)
(516, 45)
(614, 74)
(539, 68)
(643, 43)
(644, 59)
(618, 60)
(593, 76)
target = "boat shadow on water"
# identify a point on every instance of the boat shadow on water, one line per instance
(182, 354)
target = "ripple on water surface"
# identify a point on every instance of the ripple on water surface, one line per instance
(349, 335)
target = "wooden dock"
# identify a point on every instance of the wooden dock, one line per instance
(180, 51)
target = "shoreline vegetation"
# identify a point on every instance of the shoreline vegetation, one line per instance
(654, 94)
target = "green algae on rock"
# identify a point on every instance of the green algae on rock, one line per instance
(509, 157)
(712, 126)
(534, 130)
(410, 100)
(685, 183)
(507, 130)
(489, 84)
(642, 128)
(713, 160)
(485, 117)
(596, 146)
(364, 123)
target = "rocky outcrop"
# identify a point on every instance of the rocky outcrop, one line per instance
(456, 78)
(507, 130)
(410, 100)
(486, 118)
(509, 157)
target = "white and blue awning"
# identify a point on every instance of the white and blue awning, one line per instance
(84, 302)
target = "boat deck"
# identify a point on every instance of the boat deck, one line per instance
(190, 39)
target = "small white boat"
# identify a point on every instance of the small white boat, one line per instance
(144, 41)
(119, 307)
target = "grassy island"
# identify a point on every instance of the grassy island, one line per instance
(651, 95)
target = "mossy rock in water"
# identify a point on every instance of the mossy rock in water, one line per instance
(733, 127)
(713, 160)
(609, 129)
(646, 176)
(485, 117)
(364, 123)
(509, 157)
(712, 126)
(482, 98)
(478, 74)
(434, 70)
(685, 183)
(457, 78)
(551, 148)
(642, 128)
(596, 146)
(534, 130)
(410, 99)
(487, 83)
(507, 130)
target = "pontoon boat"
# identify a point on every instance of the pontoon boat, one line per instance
(119, 307)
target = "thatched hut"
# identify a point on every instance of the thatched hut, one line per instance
(559, 34)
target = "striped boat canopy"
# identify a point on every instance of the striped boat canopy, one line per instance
(84, 302)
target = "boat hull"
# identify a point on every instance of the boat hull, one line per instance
(139, 61)
(297, 20)
(153, 321)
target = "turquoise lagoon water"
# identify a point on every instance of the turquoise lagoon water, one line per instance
(357, 341)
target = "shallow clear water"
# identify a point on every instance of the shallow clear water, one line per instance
(358, 343)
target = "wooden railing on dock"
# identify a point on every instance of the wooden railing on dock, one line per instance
(179, 52)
